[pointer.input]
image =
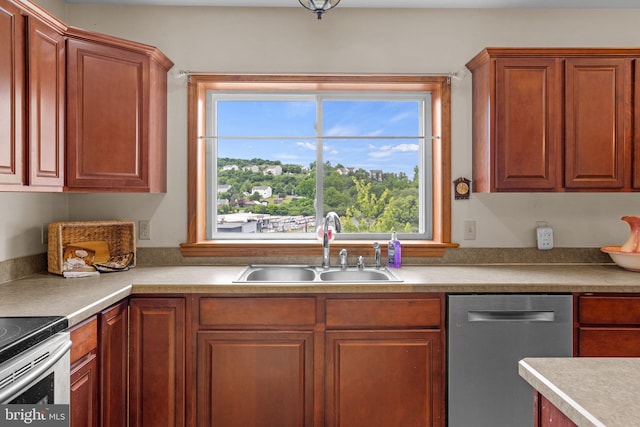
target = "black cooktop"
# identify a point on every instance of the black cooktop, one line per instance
(18, 334)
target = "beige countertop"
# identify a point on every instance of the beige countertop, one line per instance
(591, 392)
(79, 298)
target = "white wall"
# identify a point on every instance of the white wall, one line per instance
(348, 40)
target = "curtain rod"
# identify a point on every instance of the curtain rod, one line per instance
(455, 75)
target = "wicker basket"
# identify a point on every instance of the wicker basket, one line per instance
(119, 235)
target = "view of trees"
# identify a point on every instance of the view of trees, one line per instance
(365, 201)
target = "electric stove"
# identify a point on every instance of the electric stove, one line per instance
(18, 334)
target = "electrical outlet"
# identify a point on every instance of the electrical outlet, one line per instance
(144, 229)
(545, 237)
(469, 230)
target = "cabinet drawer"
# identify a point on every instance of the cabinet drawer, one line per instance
(609, 342)
(605, 310)
(257, 312)
(383, 313)
(84, 338)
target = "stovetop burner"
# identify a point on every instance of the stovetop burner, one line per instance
(18, 334)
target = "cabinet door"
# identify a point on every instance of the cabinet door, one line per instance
(255, 378)
(636, 127)
(598, 97)
(384, 379)
(547, 415)
(84, 409)
(157, 362)
(528, 123)
(107, 123)
(84, 397)
(114, 328)
(46, 107)
(609, 342)
(12, 88)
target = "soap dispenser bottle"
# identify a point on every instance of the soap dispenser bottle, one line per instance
(394, 251)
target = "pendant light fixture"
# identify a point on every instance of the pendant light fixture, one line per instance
(319, 6)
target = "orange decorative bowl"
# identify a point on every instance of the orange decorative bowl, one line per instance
(627, 260)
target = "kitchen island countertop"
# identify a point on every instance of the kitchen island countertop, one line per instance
(591, 392)
(79, 298)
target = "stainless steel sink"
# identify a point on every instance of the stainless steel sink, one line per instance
(355, 275)
(308, 273)
(280, 274)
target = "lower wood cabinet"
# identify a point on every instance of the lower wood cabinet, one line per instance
(85, 377)
(262, 361)
(99, 369)
(384, 378)
(607, 326)
(113, 339)
(547, 415)
(255, 378)
(157, 355)
(303, 361)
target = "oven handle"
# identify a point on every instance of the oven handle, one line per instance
(31, 376)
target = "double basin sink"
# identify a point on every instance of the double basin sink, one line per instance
(309, 273)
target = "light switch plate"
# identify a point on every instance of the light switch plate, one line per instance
(544, 237)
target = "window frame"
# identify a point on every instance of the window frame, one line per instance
(197, 244)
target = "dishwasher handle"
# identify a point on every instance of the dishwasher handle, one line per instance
(511, 316)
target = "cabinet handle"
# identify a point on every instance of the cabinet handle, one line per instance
(511, 316)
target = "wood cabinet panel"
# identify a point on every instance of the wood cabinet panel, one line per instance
(257, 312)
(547, 415)
(84, 408)
(116, 114)
(157, 362)
(527, 139)
(85, 378)
(597, 95)
(609, 310)
(46, 83)
(84, 338)
(107, 122)
(12, 101)
(255, 378)
(556, 119)
(636, 127)
(384, 378)
(383, 313)
(609, 342)
(114, 328)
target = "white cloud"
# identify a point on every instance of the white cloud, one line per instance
(307, 145)
(388, 150)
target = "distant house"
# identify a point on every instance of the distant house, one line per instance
(344, 171)
(273, 170)
(252, 168)
(223, 188)
(375, 174)
(264, 191)
(230, 168)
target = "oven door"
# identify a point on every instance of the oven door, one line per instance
(39, 375)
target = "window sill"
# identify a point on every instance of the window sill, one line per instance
(240, 248)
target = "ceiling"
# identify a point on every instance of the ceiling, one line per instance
(558, 4)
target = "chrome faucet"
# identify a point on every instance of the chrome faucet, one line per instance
(343, 259)
(376, 256)
(331, 217)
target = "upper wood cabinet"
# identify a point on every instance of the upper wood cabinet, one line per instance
(32, 75)
(116, 114)
(553, 120)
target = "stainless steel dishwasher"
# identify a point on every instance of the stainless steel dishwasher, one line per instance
(487, 336)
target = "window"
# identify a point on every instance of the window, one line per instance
(269, 156)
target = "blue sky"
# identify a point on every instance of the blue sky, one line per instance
(340, 118)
